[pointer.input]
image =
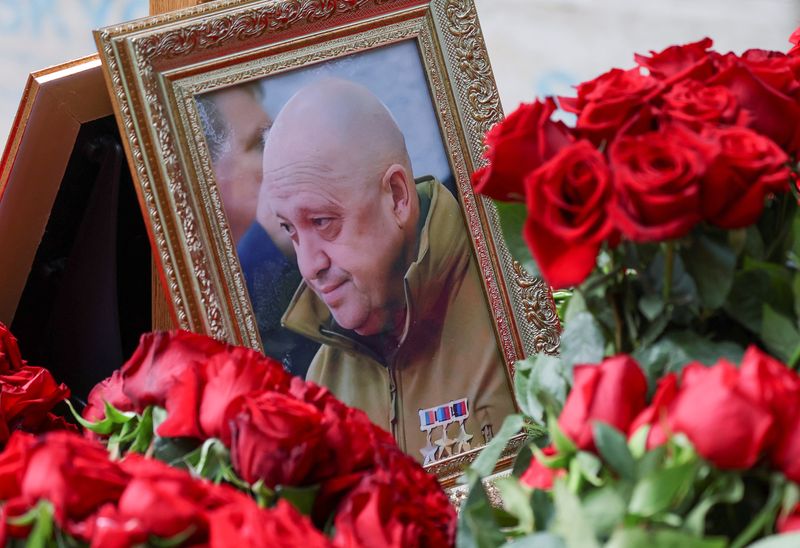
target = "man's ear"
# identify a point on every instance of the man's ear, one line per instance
(397, 182)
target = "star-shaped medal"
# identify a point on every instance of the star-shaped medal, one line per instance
(429, 453)
(462, 440)
(444, 443)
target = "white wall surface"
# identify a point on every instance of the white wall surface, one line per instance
(537, 47)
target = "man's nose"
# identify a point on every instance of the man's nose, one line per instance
(311, 259)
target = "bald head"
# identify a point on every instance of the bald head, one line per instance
(338, 124)
(338, 177)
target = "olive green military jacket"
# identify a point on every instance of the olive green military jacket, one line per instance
(447, 353)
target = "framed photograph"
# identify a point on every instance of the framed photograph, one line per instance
(74, 272)
(304, 169)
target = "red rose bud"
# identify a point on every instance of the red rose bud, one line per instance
(276, 438)
(198, 400)
(768, 111)
(108, 390)
(398, 504)
(789, 523)
(725, 426)
(246, 524)
(695, 104)
(73, 473)
(613, 392)
(568, 217)
(656, 414)
(657, 181)
(748, 169)
(614, 103)
(679, 62)
(539, 476)
(516, 146)
(161, 358)
(777, 69)
(10, 358)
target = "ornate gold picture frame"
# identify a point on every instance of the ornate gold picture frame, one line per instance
(163, 73)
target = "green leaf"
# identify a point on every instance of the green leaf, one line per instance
(113, 419)
(543, 509)
(539, 383)
(484, 464)
(727, 488)
(779, 334)
(590, 467)
(637, 445)
(710, 263)
(477, 527)
(174, 450)
(613, 447)
(173, 541)
(265, 497)
(570, 520)
(789, 540)
(662, 538)
(651, 461)
(522, 461)
(651, 305)
(605, 508)
(582, 342)
(302, 498)
(42, 533)
(658, 491)
(537, 540)
(563, 445)
(512, 221)
(517, 502)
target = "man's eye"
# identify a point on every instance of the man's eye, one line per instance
(321, 222)
(288, 228)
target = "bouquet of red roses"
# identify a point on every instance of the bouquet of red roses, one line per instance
(669, 212)
(711, 459)
(669, 209)
(196, 442)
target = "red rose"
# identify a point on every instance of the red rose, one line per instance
(786, 456)
(790, 522)
(27, 395)
(771, 384)
(613, 103)
(795, 39)
(166, 501)
(657, 413)
(724, 424)
(657, 180)
(539, 476)
(73, 473)
(516, 146)
(197, 401)
(275, 438)
(613, 392)
(398, 504)
(568, 214)
(695, 104)
(248, 525)
(161, 358)
(676, 63)
(13, 462)
(767, 110)
(775, 68)
(108, 390)
(747, 170)
(10, 358)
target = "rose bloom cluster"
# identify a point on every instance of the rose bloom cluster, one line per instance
(284, 431)
(735, 417)
(27, 393)
(688, 136)
(130, 502)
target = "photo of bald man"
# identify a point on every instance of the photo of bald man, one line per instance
(390, 287)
